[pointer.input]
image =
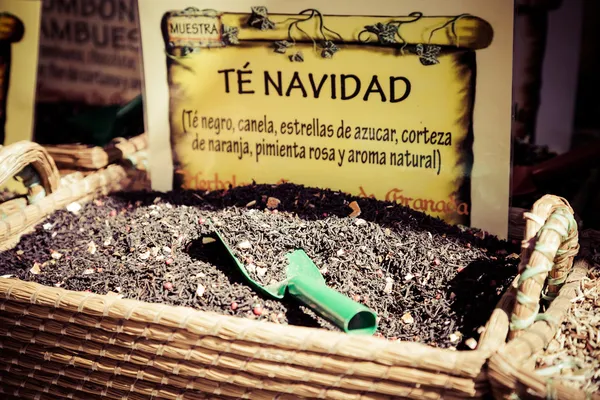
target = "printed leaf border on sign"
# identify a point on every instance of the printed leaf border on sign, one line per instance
(426, 37)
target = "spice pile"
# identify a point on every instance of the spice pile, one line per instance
(573, 355)
(426, 280)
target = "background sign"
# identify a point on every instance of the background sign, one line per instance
(89, 51)
(377, 101)
(19, 35)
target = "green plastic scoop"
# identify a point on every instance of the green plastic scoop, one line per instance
(305, 283)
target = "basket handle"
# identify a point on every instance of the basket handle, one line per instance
(547, 252)
(33, 164)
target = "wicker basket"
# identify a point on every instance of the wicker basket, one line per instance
(59, 343)
(53, 192)
(549, 245)
(84, 157)
(64, 344)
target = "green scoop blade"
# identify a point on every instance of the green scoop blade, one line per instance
(305, 283)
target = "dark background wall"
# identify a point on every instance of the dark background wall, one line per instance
(587, 114)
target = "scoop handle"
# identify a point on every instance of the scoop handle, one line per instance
(345, 313)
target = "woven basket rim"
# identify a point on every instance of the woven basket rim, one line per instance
(504, 364)
(91, 157)
(508, 372)
(17, 156)
(281, 329)
(188, 323)
(10, 286)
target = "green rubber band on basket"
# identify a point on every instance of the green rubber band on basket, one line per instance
(556, 369)
(561, 212)
(568, 215)
(546, 250)
(132, 159)
(523, 299)
(558, 281)
(562, 220)
(546, 318)
(549, 296)
(561, 230)
(521, 324)
(552, 371)
(531, 271)
(554, 282)
(518, 324)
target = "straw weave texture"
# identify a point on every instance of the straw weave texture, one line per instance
(65, 344)
(93, 185)
(177, 349)
(19, 155)
(511, 373)
(78, 156)
(30, 383)
(548, 248)
(74, 337)
(12, 206)
(506, 373)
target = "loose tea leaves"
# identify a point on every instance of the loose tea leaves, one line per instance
(265, 262)
(426, 280)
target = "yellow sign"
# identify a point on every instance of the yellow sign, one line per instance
(376, 106)
(19, 35)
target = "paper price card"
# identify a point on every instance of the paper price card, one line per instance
(19, 37)
(402, 101)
